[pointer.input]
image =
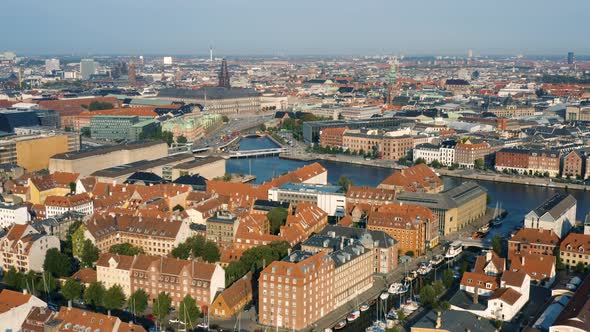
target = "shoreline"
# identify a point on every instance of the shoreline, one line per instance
(498, 178)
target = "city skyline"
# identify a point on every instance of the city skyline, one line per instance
(290, 29)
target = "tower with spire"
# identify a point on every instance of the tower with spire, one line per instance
(224, 75)
(392, 84)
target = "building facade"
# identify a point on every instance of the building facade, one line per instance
(24, 248)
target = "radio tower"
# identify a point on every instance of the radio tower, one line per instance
(210, 53)
(392, 86)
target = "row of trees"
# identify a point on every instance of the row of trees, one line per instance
(125, 249)
(339, 150)
(277, 217)
(197, 246)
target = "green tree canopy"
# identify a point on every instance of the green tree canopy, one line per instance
(114, 298)
(125, 249)
(12, 278)
(99, 105)
(497, 244)
(188, 312)
(46, 283)
(90, 254)
(448, 278)
(344, 182)
(427, 296)
(181, 139)
(161, 306)
(72, 289)
(253, 259)
(57, 263)
(94, 294)
(138, 301)
(277, 218)
(211, 253)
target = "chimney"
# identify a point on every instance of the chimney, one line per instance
(25, 291)
(476, 296)
(438, 320)
(109, 313)
(69, 304)
(522, 260)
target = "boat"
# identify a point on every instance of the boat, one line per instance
(364, 307)
(485, 228)
(437, 259)
(340, 325)
(327, 329)
(403, 288)
(498, 217)
(393, 288)
(454, 249)
(378, 326)
(409, 307)
(353, 315)
(384, 296)
(392, 314)
(425, 268)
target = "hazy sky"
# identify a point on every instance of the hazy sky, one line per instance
(273, 27)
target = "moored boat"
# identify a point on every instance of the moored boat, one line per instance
(364, 307)
(353, 315)
(340, 325)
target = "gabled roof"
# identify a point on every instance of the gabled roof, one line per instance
(11, 299)
(513, 278)
(417, 178)
(577, 242)
(506, 294)
(555, 206)
(536, 236)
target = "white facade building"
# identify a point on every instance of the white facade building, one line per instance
(24, 248)
(13, 214)
(558, 213)
(51, 65)
(328, 198)
(428, 152)
(58, 205)
(15, 309)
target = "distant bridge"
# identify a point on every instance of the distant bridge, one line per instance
(256, 153)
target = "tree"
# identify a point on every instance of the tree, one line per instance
(580, 267)
(497, 244)
(183, 251)
(94, 294)
(211, 253)
(464, 267)
(125, 249)
(78, 240)
(168, 137)
(85, 131)
(419, 161)
(161, 307)
(90, 254)
(114, 298)
(410, 253)
(57, 263)
(427, 296)
(436, 164)
(344, 182)
(277, 217)
(438, 287)
(73, 187)
(224, 118)
(72, 289)
(11, 278)
(138, 301)
(188, 312)
(46, 283)
(181, 139)
(448, 278)
(479, 164)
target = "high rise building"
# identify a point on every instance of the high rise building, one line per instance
(470, 54)
(224, 75)
(570, 58)
(88, 67)
(167, 60)
(51, 65)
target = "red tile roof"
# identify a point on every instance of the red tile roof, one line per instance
(418, 178)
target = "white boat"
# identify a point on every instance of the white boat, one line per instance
(364, 307)
(392, 314)
(485, 228)
(353, 315)
(437, 259)
(378, 326)
(403, 288)
(498, 218)
(394, 288)
(454, 249)
(425, 268)
(384, 296)
(340, 325)
(409, 307)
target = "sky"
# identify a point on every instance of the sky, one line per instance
(297, 27)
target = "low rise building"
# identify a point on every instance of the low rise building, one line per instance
(332, 137)
(467, 153)
(533, 241)
(331, 199)
(156, 236)
(15, 307)
(575, 249)
(232, 299)
(574, 317)
(414, 227)
(122, 127)
(529, 162)
(381, 146)
(573, 165)
(558, 213)
(418, 178)
(208, 167)
(24, 248)
(73, 319)
(222, 227)
(59, 205)
(455, 208)
(13, 214)
(155, 274)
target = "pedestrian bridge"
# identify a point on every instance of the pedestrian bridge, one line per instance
(256, 153)
(477, 243)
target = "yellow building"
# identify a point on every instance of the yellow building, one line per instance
(32, 152)
(42, 187)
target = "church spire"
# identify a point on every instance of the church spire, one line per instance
(224, 75)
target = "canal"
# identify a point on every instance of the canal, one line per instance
(517, 199)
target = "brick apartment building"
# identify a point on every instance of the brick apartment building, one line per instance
(573, 165)
(332, 137)
(387, 147)
(528, 161)
(467, 153)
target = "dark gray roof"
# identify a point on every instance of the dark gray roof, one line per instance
(464, 300)
(145, 177)
(212, 92)
(193, 180)
(361, 234)
(445, 200)
(266, 205)
(557, 205)
(453, 320)
(198, 162)
(140, 165)
(105, 149)
(346, 254)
